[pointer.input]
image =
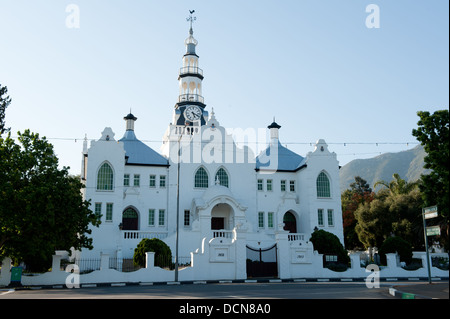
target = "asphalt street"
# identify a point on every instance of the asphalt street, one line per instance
(302, 290)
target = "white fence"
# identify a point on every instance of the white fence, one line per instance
(220, 258)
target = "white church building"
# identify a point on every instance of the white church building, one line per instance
(201, 188)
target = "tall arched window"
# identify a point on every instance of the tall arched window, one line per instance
(105, 178)
(201, 178)
(323, 185)
(222, 176)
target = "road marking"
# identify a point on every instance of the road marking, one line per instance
(6, 292)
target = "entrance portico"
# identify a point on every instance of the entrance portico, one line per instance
(218, 209)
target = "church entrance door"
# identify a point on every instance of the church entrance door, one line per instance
(217, 223)
(130, 219)
(290, 223)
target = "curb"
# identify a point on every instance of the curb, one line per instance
(405, 295)
(392, 291)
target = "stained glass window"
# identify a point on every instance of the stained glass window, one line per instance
(323, 185)
(201, 178)
(105, 178)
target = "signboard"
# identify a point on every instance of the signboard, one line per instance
(430, 212)
(16, 274)
(433, 231)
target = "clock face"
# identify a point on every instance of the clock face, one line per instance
(193, 113)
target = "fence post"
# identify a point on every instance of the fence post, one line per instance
(283, 258)
(104, 261)
(391, 260)
(56, 263)
(355, 261)
(149, 259)
(5, 274)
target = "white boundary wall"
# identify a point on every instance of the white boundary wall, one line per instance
(222, 259)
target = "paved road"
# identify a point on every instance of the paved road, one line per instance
(302, 290)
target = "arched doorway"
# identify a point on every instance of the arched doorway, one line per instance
(221, 217)
(130, 219)
(290, 223)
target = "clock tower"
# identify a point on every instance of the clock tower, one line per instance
(189, 109)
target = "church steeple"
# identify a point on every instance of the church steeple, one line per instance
(130, 119)
(191, 104)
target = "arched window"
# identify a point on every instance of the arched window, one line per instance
(323, 185)
(105, 178)
(222, 176)
(201, 178)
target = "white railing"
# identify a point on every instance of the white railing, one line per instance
(137, 234)
(191, 98)
(191, 70)
(296, 236)
(222, 234)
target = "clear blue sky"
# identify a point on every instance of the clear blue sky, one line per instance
(314, 65)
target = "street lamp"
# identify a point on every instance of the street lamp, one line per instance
(178, 203)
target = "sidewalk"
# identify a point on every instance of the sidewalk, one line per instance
(435, 290)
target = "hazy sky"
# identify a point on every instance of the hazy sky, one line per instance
(314, 65)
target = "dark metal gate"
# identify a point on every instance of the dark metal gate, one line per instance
(262, 262)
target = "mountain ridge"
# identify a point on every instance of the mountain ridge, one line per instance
(408, 164)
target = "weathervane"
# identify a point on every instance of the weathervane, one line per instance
(191, 18)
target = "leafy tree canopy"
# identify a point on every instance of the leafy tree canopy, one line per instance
(5, 100)
(433, 134)
(41, 206)
(155, 245)
(327, 243)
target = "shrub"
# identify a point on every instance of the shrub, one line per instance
(329, 244)
(396, 244)
(155, 245)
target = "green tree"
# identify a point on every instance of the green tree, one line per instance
(41, 206)
(395, 210)
(433, 134)
(5, 100)
(160, 248)
(396, 245)
(397, 185)
(327, 243)
(359, 193)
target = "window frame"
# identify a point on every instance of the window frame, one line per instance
(224, 176)
(260, 182)
(108, 186)
(269, 185)
(109, 212)
(260, 220)
(152, 181)
(270, 219)
(151, 217)
(136, 180)
(330, 217)
(126, 180)
(162, 181)
(320, 220)
(201, 181)
(161, 217)
(292, 185)
(187, 218)
(283, 185)
(323, 185)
